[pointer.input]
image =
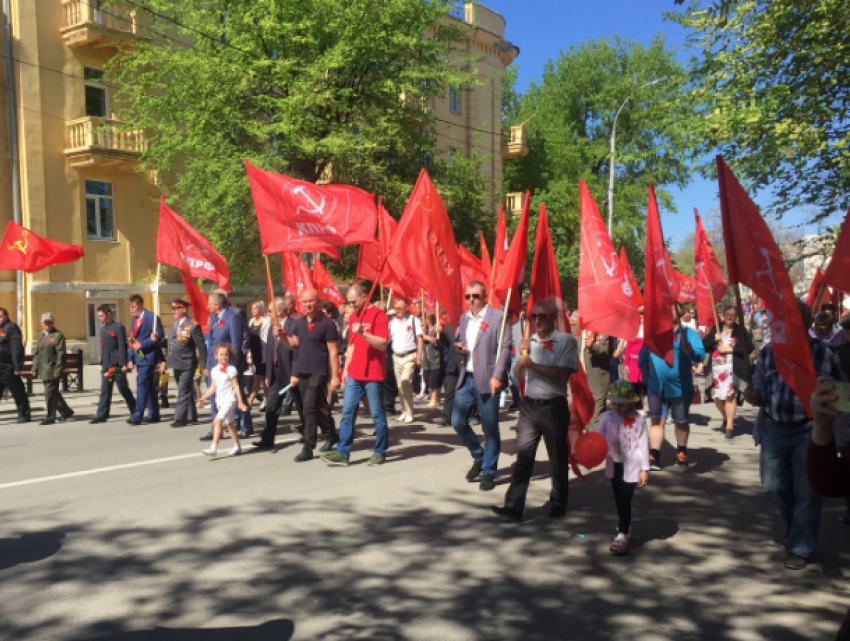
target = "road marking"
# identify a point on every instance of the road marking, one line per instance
(96, 470)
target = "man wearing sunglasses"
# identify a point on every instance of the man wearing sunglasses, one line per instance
(546, 362)
(483, 375)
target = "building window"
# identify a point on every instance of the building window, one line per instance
(96, 102)
(452, 153)
(454, 100)
(100, 215)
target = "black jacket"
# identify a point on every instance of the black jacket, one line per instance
(11, 347)
(742, 349)
(282, 371)
(113, 346)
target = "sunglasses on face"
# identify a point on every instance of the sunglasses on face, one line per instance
(540, 317)
(472, 296)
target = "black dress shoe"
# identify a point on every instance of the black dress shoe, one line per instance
(263, 445)
(474, 472)
(47, 421)
(131, 421)
(513, 407)
(441, 421)
(179, 424)
(557, 510)
(64, 417)
(23, 419)
(329, 444)
(513, 517)
(306, 455)
(97, 420)
(206, 437)
(487, 483)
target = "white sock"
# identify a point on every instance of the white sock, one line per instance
(214, 447)
(621, 537)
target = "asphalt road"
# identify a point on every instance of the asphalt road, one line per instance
(129, 533)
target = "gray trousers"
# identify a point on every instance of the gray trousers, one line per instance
(54, 400)
(184, 409)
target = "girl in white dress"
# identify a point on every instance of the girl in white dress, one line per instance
(225, 386)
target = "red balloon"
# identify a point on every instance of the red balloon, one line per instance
(591, 449)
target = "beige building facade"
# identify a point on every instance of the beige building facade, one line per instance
(70, 175)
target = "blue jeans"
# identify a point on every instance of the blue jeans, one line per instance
(354, 391)
(783, 477)
(488, 406)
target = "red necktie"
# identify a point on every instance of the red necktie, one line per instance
(136, 324)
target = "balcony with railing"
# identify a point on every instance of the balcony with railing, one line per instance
(514, 143)
(103, 141)
(513, 203)
(96, 24)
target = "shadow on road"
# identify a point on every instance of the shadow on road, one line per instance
(280, 630)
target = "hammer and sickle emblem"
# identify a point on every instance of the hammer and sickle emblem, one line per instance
(427, 203)
(21, 245)
(317, 208)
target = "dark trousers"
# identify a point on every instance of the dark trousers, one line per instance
(314, 399)
(147, 393)
(16, 389)
(185, 410)
(105, 402)
(623, 493)
(53, 399)
(274, 402)
(390, 385)
(450, 383)
(549, 421)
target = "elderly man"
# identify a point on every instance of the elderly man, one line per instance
(783, 429)
(407, 345)
(483, 375)
(145, 334)
(186, 348)
(825, 330)
(363, 373)
(11, 364)
(546, 362)
(315, 338)
(48, 361)
(225, 327)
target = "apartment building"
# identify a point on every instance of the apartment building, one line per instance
(74, 176)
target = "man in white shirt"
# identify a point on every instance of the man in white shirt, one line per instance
(407, 344)
(546, 361)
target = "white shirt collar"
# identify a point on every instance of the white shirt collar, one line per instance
(480, 314)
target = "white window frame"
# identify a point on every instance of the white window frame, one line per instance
(97, 197)
(455, 102)
(98, 85)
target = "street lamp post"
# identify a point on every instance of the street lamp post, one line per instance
(613, 143)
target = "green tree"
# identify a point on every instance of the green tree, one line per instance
(312, 88)
(569, 116)
(773, 83)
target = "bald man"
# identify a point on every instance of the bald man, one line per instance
(315, 338)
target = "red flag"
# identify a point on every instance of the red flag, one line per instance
(325, 284)
(687, 289)
(486, 265)
(837, 273)
(582, 402)
(425, 245)
(295, 215)
(753, 258)
(198, 301)
(606, 298)
(511, 276)
(630, 275)
(296, 277)
(813, 288)
(470, 267)
(180, 245)
(24, 250)
(660, 290)
(545, 282)
(373, 253)
(500, 250)
(708, 274)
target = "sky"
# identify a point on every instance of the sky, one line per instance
(542, 28)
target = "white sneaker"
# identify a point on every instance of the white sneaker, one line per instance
(407, 419)
(236, 451)
(210, 452)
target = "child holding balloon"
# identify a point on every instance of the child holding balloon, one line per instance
(627, 463)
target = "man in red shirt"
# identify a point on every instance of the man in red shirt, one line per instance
(363, 373)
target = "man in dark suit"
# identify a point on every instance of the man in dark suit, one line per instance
(482, 377)
(225, 327)
(48, 361)
(280, 362)
(113, 364)
(11, 364)
(146, 339)
(186, 346)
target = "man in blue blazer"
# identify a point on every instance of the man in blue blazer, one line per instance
(225, 327)
(482, 376)
(146, 338)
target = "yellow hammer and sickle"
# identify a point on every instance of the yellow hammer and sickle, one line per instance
(20, 245)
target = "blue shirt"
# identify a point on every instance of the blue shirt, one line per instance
(676, 381)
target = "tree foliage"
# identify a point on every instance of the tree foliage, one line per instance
(569, 116)
(773, 81)
(308, 89)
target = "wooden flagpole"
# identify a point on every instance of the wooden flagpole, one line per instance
(821, 289)
(156, 292)
(505, 314)
(270, 288)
